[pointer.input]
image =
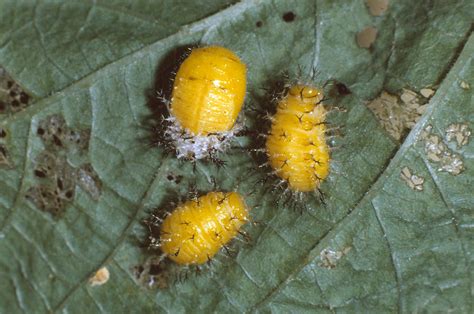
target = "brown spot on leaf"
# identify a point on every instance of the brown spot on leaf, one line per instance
(366, 37)
(377, 7)
(289, 17)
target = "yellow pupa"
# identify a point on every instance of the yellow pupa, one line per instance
(296, 145)
(196, 230)
(209, 90)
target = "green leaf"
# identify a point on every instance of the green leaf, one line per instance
(378, 246)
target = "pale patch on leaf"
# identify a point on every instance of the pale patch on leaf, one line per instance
(465, 85)
(329, 257)
(458, 132)
(427, 92)
(100, 277)
(377, 7)
(438, 152)
(397, 116)
(415, 182)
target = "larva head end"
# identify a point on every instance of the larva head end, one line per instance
(306, 93)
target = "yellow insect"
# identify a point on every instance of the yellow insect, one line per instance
(196, 230)
(296, 145)
(209, 90)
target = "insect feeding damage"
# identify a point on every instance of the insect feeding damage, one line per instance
(5, 161)
(55, 177)
(398, 115)
(330, 258)
(438, 152)
(13, 97)
(414, 181)
(459, 133)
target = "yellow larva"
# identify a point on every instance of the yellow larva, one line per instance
(209, 90)
(296, 145)
(196, 230)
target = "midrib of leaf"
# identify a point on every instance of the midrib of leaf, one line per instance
(376, 187)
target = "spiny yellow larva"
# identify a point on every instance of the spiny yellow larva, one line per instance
(296, 145)
(196, 230)
(207, 97)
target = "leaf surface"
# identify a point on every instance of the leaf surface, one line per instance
(396, 249)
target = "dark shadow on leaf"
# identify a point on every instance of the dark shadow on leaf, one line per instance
(159, 94)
